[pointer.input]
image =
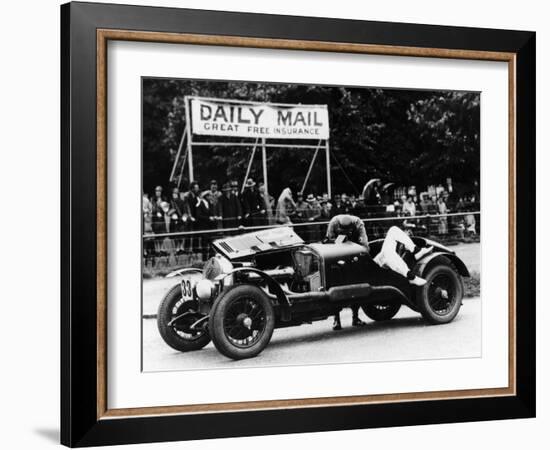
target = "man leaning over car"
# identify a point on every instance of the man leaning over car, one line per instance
(353, 228)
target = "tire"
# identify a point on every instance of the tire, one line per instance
(381, 311)
(232, 335)
(178, 335)
(440, 299)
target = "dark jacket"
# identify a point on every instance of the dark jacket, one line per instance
(191, 200)
(231, 210)
(203, 214)
(253, 204)
(179, 215)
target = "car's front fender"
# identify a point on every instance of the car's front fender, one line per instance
(271, 283)
(180, 272)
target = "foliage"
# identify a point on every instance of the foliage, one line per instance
(472, 285)
(405, 136)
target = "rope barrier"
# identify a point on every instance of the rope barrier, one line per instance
(302, 224)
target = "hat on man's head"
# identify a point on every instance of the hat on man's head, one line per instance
(226, 187)
(213, 182)
(234, 184)
(250, 182)
(310, 198)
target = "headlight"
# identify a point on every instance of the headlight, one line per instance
(215, 266)
(204, 289)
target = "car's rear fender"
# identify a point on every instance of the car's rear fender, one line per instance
(422, 267)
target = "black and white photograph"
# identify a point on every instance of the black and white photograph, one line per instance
(287, 224)
(298, 224)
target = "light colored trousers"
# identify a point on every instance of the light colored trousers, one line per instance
(388, 256)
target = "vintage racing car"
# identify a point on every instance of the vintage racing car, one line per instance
(260, 281)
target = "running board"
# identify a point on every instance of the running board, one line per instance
(352, 293)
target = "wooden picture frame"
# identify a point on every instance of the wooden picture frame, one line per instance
(85, 417)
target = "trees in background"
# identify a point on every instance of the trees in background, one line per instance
(404, 136)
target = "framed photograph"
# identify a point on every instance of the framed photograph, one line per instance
(277, 224)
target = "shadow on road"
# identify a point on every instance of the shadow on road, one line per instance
(348, 331)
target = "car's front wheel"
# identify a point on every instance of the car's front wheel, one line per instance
(242, 322)
(180, 324)
(439, 300)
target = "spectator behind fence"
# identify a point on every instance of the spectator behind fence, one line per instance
(285, 207)
(374, 195)
(158, 220)
(147, 208)
(407, 206)
(359, 208)
(191, 198)
(161, 224)
(158, 197)
(470, 222)
(424, 203)
(254, 211)
(313, 214)
(214, 196)
(179, 217)
(338, 207)
(314, 211)
(205, 219)
(148, 243)
(301, 208)
(442, 209)
(267, 202)
(230, 207)
(326, 212)
(178, 213)
(327, 199)
(346, 202)
(235, 189)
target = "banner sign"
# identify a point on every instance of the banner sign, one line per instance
(259, 120)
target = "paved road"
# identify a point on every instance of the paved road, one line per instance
(406, 337)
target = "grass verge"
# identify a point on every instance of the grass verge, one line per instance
(472, 285)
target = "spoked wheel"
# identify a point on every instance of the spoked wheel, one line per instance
(381, 311)
(441, 297)
(241, 322)
(180, 324)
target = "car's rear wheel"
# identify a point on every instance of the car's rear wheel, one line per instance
(381, 311)
(439, 300)
(180, 324)
(242, 322)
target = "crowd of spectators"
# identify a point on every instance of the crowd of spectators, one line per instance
(230, 209)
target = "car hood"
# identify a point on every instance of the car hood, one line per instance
(248, 244)
(335, 251)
